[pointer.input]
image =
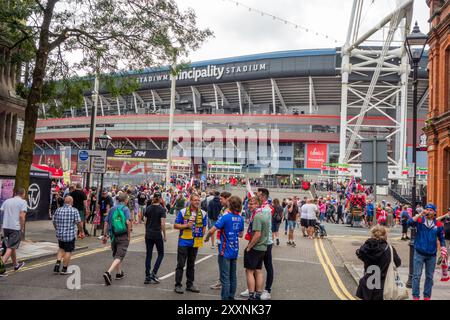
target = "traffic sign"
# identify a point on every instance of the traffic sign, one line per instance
(93, 161)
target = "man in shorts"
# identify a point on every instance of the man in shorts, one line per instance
(14, 211)
(65, 219)
(254, 253)
(119, 243)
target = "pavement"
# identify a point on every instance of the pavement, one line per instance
(345, 241)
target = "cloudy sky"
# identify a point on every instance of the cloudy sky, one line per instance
(239, 31)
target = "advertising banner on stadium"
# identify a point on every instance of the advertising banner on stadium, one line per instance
(130, 154)
(316, 155)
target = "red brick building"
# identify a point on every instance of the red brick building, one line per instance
(438, 124)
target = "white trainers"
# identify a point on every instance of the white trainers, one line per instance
(245, 294)
(100, 238)
(265, 295)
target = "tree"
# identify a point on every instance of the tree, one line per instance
(122, 34)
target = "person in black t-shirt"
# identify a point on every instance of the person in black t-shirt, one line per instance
(105, 203)
(155, 234)
(80, 203)
(142, 201)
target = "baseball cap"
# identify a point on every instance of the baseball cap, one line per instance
(431, 206)
(157, 195)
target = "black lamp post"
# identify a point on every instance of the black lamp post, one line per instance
(415, 46)
(104, 141)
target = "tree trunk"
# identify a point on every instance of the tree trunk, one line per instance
(31, 112)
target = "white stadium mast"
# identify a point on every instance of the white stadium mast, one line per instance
(366, 92)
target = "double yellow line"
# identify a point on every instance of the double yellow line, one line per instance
(335, 281)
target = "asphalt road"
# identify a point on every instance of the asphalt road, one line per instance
(309, 271)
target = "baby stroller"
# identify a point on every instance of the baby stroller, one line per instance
(319, 230)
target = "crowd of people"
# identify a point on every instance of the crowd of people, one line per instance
(223, 220)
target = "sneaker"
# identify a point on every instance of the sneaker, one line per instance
(179, 289)
(147, 280)
(56, 269)
(3, 274)
(19, 266)
(100, 238)
(213, 247)
(120, 276)
(108, 278)
(193, 289)
(245, 294)
(293, 244)
(216, 286)
(445, 279)
(64, 272)
(278, 242)
(265, 295)
(288, 243)
(154, 278)
(426, 299)
(416, 298)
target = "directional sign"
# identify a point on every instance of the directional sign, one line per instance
(93, 161)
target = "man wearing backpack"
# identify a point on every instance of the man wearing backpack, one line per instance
(118, 228)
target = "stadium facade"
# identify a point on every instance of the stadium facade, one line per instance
(296, 94)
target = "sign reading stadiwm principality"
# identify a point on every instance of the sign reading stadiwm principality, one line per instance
(214, 72)
(316, 155)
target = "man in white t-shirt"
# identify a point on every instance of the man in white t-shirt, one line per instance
(14, 211)
(308, 217)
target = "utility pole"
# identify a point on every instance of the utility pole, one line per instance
(172, 110)
(93, 119)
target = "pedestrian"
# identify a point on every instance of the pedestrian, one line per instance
(14, 212)
(255, 251)
(292, 220)
(375, 252)
(105, 204)
(268, 211)
(340, 212)
(277, 219)
(429, 232)
(323, 210)
(404, 217)
(155, 235)
(285, 216)
(65, 220)
(191, 222)
(80, 203)
(214, 209)
(223, 200)
(369, 213)
(445, 219)
(118, 228)
(142, 202)
(231, 228)
(308, 220)
(381, 215)
(131, 205)
(389, 215)
(331, 211)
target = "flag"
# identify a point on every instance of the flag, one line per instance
(350, 186)
(250, 193)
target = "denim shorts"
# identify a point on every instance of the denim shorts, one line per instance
(291, 224)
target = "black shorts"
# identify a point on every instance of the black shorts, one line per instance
(307, 222)
(275, 226)
(67, 246)
(404, 228)
(12, 238)
(253, 259)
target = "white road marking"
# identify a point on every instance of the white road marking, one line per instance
(196, 262)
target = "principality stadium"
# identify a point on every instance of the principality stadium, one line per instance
(299, 93)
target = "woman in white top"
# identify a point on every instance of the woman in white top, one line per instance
(308, 217)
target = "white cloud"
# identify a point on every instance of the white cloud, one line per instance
(239, 31)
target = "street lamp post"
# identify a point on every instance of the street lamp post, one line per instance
(104, 141)
(415, 45)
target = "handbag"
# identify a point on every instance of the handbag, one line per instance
(394, 287)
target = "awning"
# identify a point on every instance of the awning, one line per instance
(55, 173)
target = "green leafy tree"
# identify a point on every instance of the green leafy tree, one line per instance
(59, 40)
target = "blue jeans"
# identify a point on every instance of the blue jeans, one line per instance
(227, 269)
(430, 264)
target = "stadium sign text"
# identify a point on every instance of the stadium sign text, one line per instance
(210, 71)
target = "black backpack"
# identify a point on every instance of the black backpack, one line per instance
(278, 216)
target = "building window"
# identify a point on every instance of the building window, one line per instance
(299, 155)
